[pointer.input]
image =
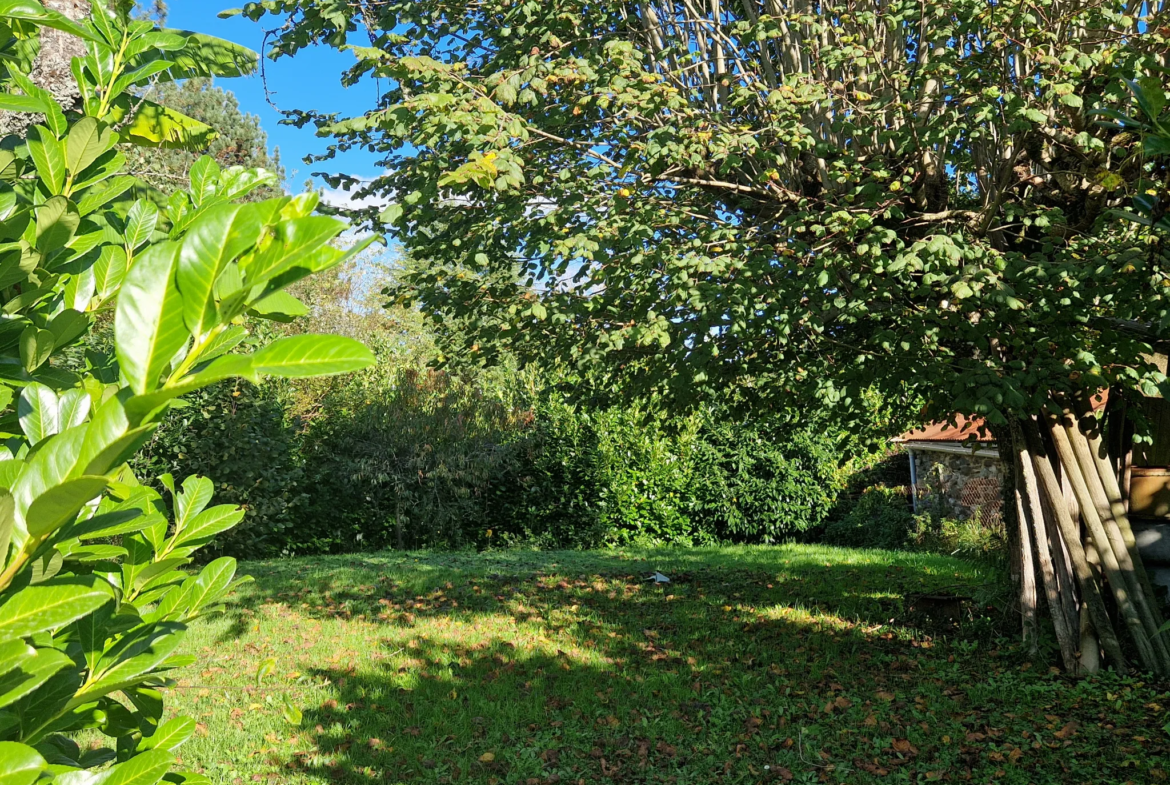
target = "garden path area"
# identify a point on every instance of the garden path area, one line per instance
(784, 664)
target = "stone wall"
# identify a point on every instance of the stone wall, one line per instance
(961, 485)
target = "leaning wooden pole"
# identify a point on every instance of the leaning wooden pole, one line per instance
(1071, 535)
(1031, 514)
(1115, 560)
(1126, 552)
(1108, 475)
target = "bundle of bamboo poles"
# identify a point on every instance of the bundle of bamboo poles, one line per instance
(1075, 539)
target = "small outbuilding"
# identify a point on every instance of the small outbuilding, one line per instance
(955, 469)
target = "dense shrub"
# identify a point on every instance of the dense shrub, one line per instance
(880, 518)
(757, 483)
(236, 432)
(402, 456)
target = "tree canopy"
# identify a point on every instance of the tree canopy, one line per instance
(779, 197)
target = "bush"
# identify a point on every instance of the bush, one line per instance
(402, 456)
(237, 431)
(754, 483)
(881, 518)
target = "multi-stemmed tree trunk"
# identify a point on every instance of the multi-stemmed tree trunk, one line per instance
(53, 65)
(1073, 566)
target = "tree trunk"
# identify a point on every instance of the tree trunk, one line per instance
(52, 70)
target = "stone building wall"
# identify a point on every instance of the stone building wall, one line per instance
(961, 485)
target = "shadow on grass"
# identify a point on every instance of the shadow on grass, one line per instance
(797, 665)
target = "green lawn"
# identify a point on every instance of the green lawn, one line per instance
(787, 664)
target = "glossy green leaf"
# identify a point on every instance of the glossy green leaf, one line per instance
(39, 412)
(19, 763)
(210, 522)
(136, 654)
(31, 674)
(216, 238)
(148, 326)
(51, 605)
(72, 408)
(13, 653)
(312, 355)
(61, 504)
(194, 497)
(206, 56)
(36, 347)
(88, 139)
(10, 102)
(140, 223)
(295, 241)
(109, 270)
(170, 735)
(279, 306)
(48, 154)
(153, 125)
(57, 222)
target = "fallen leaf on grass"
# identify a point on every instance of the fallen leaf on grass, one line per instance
(1068, 731)
(487, 757)
(904, 745)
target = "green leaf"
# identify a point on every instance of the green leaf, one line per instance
(146, 768)
(95, 197)
(265, 669)
(31, 674)
(31, 11)
(109, 270)
(68, 326)
(140, 223)
(206, 55)
(204, 178)
(72, 408)
(292, 715)
(217, 237)
(57, 222)
(88, 140)
(36, 347)
(312, 355)
(197, 592)
(158, 126)
(135, 655)
(170, 735)
(209, 523)
(110, 524)
(38, 412)
(19, 763)
(231, 366)
(48, 606)
(191, 500)
(54, 117)
(48, 154)
(148, 325)
(13, 653)
(279, 306)
(295, 241)
(9, 102)
(61, 504)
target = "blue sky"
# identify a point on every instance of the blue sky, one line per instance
(312, 79)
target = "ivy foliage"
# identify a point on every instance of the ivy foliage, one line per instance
(94, 594)
(798, 202)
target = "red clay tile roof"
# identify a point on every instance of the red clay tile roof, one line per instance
(965, 429)
(945, 432)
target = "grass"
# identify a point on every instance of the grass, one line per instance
(785, 664)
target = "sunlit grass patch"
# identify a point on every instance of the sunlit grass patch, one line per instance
(793, 663)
